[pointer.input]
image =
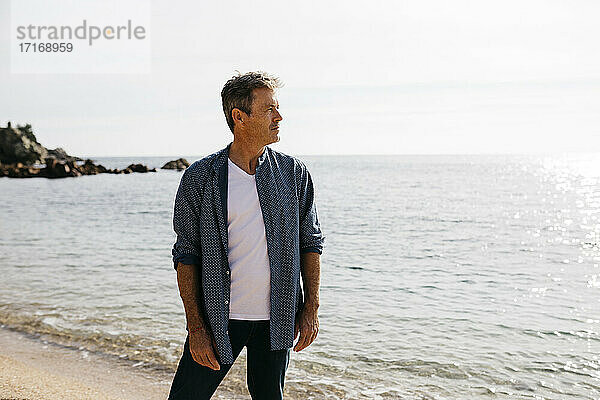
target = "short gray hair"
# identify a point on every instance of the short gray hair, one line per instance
(237, 92)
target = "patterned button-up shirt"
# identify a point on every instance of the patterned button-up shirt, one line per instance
(286, 197)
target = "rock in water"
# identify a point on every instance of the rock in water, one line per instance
(60, 154)
(178, 164)
(19, 150)
(20, 145)
(139, 168)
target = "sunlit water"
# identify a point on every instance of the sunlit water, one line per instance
(443, 277)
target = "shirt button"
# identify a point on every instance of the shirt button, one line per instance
(226, 301)
(227, 272)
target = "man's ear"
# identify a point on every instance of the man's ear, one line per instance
(238, 116)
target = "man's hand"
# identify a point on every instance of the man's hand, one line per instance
(307, 324)
(204, 349)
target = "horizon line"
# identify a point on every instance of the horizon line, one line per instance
(562, 153)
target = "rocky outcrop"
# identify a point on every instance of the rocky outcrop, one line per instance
(64, 169)
(61, 155)
(179, 164)
(139, 168)
(19, 145)
(18, 170)
(20, 150)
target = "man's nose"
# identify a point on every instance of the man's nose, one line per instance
(278, 116)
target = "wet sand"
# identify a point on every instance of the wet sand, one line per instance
(32, 368)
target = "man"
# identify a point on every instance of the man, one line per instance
(247, 231)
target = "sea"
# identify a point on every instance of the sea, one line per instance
(443, 276)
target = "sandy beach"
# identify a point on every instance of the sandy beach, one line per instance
(33, 368)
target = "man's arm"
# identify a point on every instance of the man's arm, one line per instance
(202, 345)
(308, 320)
(311, 279)
(186, 223)
(187, 260)
(188, 290)
(311, 245)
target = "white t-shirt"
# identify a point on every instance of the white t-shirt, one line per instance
(248, 259)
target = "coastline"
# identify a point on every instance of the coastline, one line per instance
(33, 368)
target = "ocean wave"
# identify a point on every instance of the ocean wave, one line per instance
(144, 351)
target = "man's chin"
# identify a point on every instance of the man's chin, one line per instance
(272, 137)
(275, 138)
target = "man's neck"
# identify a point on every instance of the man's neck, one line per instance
(245, 155)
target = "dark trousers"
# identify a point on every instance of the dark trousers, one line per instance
(265, 367)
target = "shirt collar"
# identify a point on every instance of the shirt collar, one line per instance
(224, 155)
(262, 157)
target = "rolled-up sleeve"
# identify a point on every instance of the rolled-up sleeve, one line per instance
(186, 223)
(311, 237)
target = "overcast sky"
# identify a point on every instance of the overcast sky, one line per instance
(426, 76)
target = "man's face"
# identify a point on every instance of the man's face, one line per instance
(263, 122)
